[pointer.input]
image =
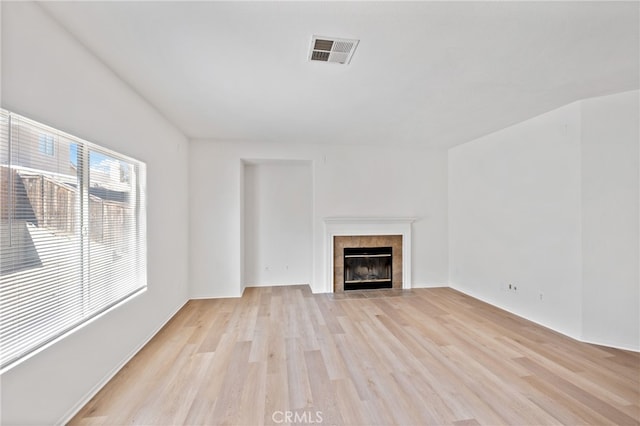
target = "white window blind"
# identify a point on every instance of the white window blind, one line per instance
(72, 233)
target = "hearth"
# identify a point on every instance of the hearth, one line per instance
(368, 268)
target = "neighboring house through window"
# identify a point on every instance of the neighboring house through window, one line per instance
(46, 144)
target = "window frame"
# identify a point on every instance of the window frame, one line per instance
(134, 236)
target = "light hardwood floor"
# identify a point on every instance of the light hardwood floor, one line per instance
(423, 356)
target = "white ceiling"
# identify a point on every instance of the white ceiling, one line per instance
(434, 73)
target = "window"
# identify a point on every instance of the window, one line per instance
(72, 233)
(45, 144)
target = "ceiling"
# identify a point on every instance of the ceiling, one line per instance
(425, 73)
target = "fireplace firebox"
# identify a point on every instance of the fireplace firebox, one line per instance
(367, 268)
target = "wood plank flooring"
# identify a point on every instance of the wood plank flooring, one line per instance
(282, 355)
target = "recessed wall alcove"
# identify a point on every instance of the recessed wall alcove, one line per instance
(277, 215)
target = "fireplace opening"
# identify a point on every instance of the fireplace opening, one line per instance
(367, 268)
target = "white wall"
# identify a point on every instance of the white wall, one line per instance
(550, 205)
(610, 244)
(347, 181)
(501, 195)
(278, 213)
(514, 218)
(48, 76)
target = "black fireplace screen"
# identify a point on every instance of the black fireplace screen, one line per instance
(367, 268)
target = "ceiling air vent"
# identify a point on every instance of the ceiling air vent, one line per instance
(330, 49)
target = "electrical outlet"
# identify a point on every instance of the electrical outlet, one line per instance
(541, 295)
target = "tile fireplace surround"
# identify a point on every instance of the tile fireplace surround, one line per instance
(340, 242)
(376, 227)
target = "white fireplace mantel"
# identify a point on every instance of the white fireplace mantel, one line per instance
(339, 226)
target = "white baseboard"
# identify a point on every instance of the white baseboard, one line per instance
(430, 285)
(273, 285)
(610, 345)
(550, 327)
(226, 296)
(76, 408)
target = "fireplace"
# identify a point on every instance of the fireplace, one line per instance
(368, 268)
(347, 232)
(363, 262)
